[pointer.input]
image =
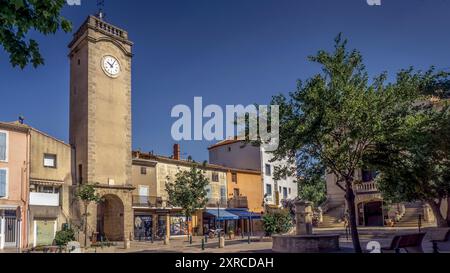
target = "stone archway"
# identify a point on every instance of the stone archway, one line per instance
(110, 218)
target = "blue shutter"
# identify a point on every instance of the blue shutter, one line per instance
(2, 183)
(2, 146)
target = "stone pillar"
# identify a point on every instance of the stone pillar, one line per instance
(304, 214)
(154, 225)
(167, 227)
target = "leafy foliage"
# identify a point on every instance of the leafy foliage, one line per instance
(277, 222)
(188, 191)
(63, 237)
(314, 191)
(88, 194)
(414, 161)
(18, 17)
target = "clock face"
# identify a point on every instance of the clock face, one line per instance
(111, 66)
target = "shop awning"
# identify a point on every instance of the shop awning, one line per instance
(221, 214)
(245, 214)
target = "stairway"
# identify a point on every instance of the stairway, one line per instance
(411, 216)
(333, 218)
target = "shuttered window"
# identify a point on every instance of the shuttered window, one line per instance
(3, 183)
(3, 143)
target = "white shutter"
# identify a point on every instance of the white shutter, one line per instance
(2, 183)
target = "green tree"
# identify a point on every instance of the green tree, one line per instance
(332, 119)
(87, 194)
(188, 191)
(277, 222)
(414, 161)
(18, 17)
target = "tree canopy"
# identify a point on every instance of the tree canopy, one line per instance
(188, 191)
(19, 17)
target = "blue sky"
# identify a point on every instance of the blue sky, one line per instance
(228, 52)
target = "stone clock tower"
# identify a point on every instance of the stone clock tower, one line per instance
(100, 122)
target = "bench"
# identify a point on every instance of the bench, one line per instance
(411, 243)
(437, 244)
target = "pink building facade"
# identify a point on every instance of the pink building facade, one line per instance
(14, 184)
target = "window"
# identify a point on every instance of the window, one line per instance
(223, 195)
(268, 169)
(229, 149)
(290, 191)
(80, 174)
(143, 170)
(208, 192)
(285, 193)
(269, 189)
(279, 189)
(368, 176)
(49, 160)
(236, 193)
(215, 177)
(3, 146)
(3, 183)
(234, 177)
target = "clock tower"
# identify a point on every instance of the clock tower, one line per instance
(100, 122)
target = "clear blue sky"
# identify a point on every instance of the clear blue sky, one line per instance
(228, 51)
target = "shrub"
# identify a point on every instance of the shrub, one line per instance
(277, 222)
(65, 236)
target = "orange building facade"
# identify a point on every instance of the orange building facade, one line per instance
(245, 190)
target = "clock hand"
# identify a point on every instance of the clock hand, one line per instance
(111, 65)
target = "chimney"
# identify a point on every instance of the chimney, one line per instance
(176, 151)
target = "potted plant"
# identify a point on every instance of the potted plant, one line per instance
(231, 234)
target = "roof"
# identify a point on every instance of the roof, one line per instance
(224, 143)
(25, 128)
(15, 126)
(158, 158)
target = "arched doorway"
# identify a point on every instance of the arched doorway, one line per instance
(373, 214)
(110, 218)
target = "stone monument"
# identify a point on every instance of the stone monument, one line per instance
(305, 241)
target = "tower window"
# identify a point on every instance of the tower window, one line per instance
(79, 61)
(143, 170)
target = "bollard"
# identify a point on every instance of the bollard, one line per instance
(203, 244)
(190, 239)
(249, 240)
(151, 239)
(221, 242)
(206, 238)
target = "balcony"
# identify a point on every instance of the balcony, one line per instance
(44, 199)
(366, 187)
(240, 202)
(147, 201)
(213, 202)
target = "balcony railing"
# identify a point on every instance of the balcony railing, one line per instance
(44, 199)
(147, 201)
(240, 202)
(366, 187)
(215, 201)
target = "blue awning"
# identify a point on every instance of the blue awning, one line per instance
(221, 215)
(245, 214)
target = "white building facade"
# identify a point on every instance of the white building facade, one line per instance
(237, 154)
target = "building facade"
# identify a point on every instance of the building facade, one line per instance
(14, 178)
(50, 188)
(237, 154)
(153, 213)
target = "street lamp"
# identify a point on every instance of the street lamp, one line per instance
(218, 219)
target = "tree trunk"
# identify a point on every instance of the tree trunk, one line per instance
(440, 220)
(85, 224)
(350, 198)
(448, 211)
(187, 227)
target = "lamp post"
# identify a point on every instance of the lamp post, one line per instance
(218, 219)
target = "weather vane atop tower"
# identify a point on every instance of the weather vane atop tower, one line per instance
(101, 6)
